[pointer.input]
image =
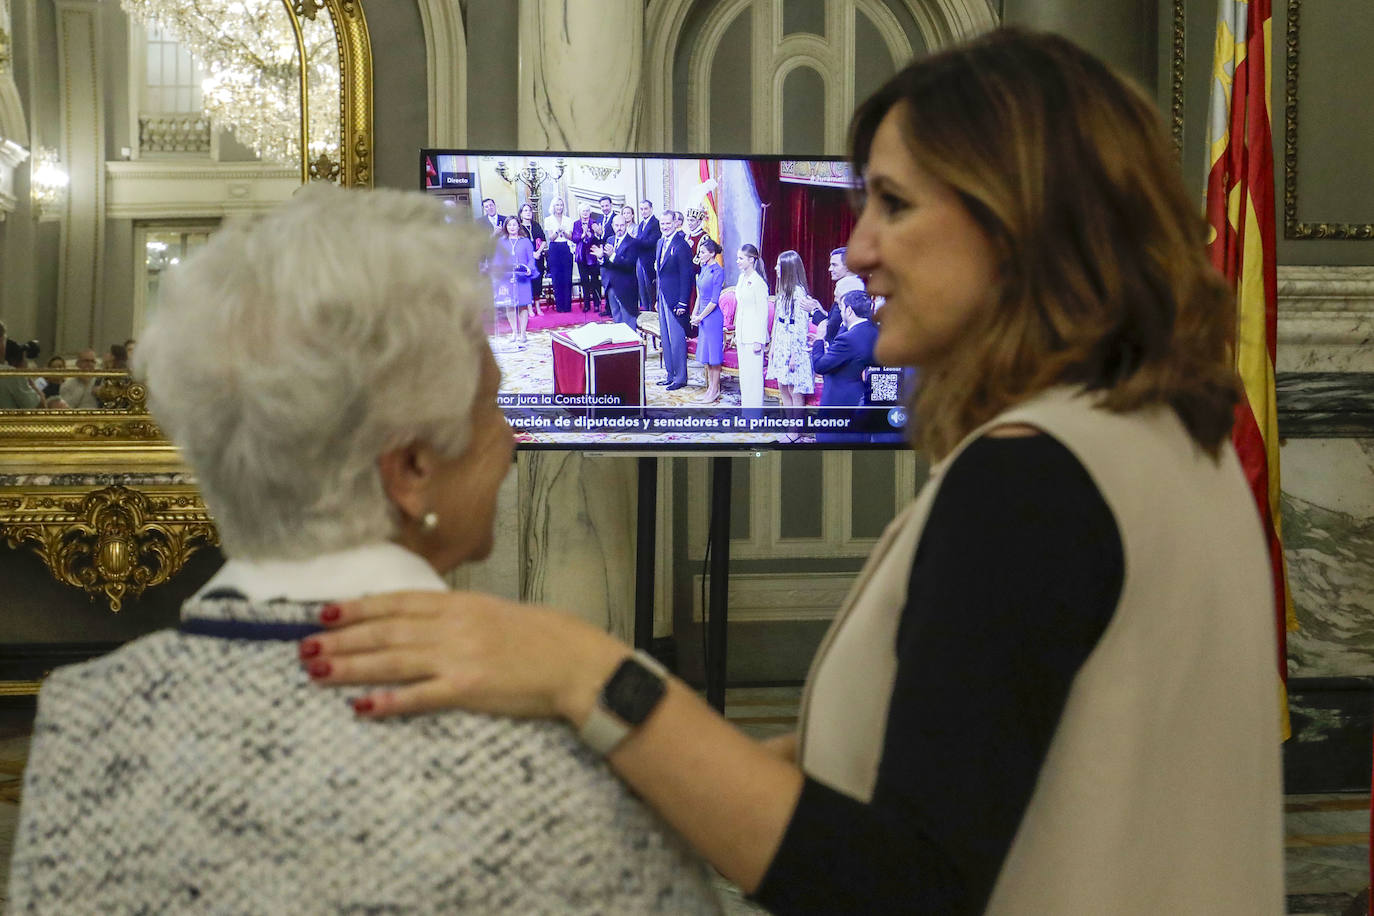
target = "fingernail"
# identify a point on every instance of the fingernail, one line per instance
(362, 705)
(319, 668)
(310, 648)
(330, 613)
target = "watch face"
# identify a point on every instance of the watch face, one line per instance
(633, 692)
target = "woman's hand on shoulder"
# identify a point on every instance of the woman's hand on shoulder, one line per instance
(464, 650)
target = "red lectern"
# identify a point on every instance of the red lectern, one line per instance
(607, 368)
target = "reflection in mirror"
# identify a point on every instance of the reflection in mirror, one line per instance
(164, 245)
(169, 116)
(250, 52)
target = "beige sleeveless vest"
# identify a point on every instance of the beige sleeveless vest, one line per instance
(1161, 792)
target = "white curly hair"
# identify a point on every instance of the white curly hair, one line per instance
(294, 349)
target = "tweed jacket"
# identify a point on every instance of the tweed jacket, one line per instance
(201, 774)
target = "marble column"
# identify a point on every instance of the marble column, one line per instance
(580, 89)
(81, 282)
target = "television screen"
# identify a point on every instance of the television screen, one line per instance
(669, 302)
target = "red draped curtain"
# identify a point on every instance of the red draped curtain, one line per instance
(810, 220)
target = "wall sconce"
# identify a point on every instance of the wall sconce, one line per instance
(48, 183)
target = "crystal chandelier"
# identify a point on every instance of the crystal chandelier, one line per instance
(248, 48)
(48, 183)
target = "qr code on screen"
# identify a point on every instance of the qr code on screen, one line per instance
(882, 386)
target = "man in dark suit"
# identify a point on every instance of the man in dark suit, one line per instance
(647, 234)
(619, 258)
(675, 270)
(842, 362)
(586, 235)
(491, 218)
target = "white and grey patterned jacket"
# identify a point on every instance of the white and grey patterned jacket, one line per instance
(199, 774)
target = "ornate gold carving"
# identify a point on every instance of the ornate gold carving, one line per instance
(1176, 73)
(324, 169)
(113, 541)
(121, 392)
(1294, 228)
(601, 173)
(5, 57)
(355, 59)
(307, 8)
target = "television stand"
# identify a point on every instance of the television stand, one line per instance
(718, 547)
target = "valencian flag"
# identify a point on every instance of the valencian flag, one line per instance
(1240, 211)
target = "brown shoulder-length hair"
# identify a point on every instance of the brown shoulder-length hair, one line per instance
(1104, 280)
(791, 274)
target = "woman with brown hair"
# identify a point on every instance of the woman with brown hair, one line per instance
(1053, 690)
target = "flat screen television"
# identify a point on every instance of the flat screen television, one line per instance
(590, 357)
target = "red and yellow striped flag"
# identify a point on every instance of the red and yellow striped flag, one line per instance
(712, 221)
(1240, 211)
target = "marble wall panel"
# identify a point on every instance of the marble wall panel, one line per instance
(1326, 319)
(1328, 532)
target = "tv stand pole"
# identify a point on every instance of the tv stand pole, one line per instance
(646, 544)
(719, 540)
(720, 582)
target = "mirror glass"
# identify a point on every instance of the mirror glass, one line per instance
(221, 118)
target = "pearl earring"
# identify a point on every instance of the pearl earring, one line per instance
(430, 521)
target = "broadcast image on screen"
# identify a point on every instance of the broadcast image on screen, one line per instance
(675, 302)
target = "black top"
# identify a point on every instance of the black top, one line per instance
(1016, 576)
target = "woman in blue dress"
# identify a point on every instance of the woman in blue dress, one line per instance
(708, 317)
(518, 271)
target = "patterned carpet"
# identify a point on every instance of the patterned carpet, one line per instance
(530, 371)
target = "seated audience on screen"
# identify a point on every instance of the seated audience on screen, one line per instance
(199, 769)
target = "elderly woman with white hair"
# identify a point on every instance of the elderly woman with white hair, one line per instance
(200, 770)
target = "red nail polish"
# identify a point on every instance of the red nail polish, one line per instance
(362, 705)
(330, 613)
(319, 668)
(310, 648)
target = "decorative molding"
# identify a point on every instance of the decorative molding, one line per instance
(780, 596)
(446, 72)
(174, 133)
(941, 22)
(1177, 59)
(113, 542)
(164, 188)
(12, 155)
(1325, 319)
(355, 73)
(1293, 227)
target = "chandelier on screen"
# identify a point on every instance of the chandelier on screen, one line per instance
(249, 51)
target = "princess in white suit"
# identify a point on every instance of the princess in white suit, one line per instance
(751, 325)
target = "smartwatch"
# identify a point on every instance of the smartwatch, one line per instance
(627, 698)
